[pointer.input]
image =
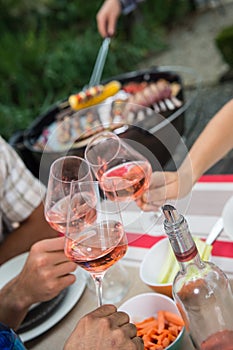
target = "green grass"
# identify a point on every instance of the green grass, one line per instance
(48, 50)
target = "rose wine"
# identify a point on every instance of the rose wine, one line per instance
(220, 340)
(98, 247)
(82, 212)
(129, 180)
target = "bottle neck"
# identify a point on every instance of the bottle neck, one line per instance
(182, 243)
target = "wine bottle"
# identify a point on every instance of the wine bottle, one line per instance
(201, 290)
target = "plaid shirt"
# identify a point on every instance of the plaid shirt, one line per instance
(20, 191)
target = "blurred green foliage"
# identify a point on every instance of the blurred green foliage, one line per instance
(224, 42)
(49, 47)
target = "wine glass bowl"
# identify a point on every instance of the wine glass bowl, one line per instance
(100, 241)
(118, 165)
(63, 172)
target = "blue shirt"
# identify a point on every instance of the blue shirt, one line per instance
(9, 340)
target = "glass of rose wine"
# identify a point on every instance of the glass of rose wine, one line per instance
(100, 240)
(63, 172)
(118, 165)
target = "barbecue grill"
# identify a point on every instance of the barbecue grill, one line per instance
(155, 132)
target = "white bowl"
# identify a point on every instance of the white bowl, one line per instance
(151, 267)
(146, 305)
(227, 215)
(160, 261)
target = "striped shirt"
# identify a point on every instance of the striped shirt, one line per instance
(20, 191)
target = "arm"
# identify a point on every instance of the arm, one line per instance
(21, 203)
(215, 141)
(104, 328)
(31, 230)
(109, 13)
(45, 274)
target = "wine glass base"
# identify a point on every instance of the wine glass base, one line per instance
(116, 283)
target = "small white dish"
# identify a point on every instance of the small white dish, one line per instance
(147, 305)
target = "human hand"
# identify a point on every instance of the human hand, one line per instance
(103, 329)
(164, 186)
(46, 272)
(107, 17)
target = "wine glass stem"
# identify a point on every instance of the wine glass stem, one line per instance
(98, 287)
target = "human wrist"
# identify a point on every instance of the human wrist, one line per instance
(186, 177)
(15, 296)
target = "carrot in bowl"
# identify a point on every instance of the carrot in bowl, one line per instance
(158, 333)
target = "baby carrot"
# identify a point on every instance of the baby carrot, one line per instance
(173, 318)
(161, 321)
(158, 333)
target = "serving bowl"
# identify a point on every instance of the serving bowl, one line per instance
(152, 266)
(147, 305)
(159, 266)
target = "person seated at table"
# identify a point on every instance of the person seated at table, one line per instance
(109, 13)
(214, 142)
(22, 220)
(45, 273)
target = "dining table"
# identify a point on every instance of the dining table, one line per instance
(202, 208)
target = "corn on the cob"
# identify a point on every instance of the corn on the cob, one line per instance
(106, 91)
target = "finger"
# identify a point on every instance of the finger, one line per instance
(150, 207)
(102, 28)
(64, 268)
(111, 28)
(138, 342)
(156, 195)
(51, 258)
(53, 273)
(130, 329)
(104, 310)
(119, 318)
(50, 244)
(158, 179)
(54, 287)
(66, 281)
(59, 258)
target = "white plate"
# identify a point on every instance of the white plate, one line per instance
(12, 267)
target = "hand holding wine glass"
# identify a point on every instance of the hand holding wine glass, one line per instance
(100, 241)
(63, 172)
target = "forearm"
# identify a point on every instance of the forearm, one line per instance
(215, 141)
(33, 229)
(13, 306)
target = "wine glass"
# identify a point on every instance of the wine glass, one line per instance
(100, 240)
(118, 165)
(63, 172)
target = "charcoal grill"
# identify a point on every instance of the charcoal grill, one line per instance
(155, 136)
